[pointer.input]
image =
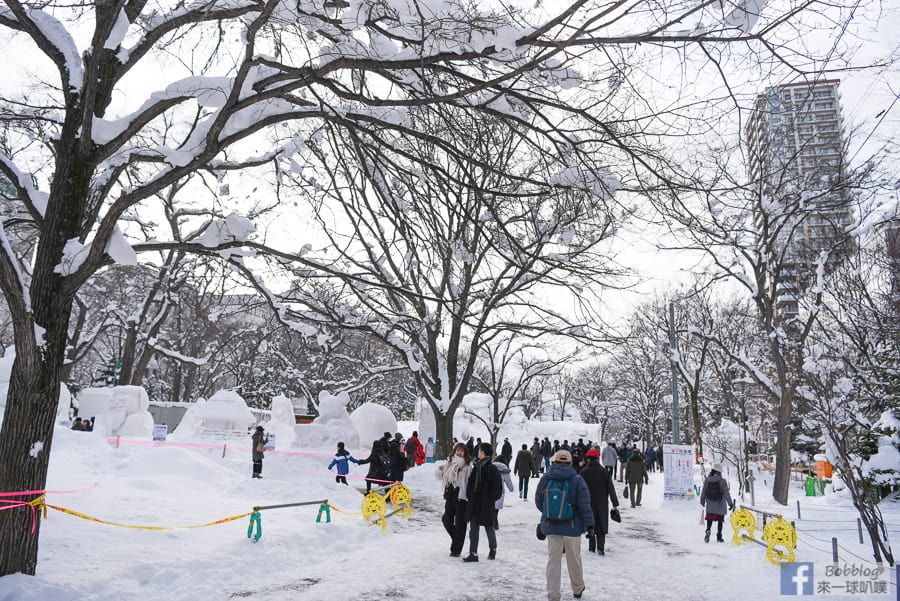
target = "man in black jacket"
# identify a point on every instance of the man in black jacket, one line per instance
(483, 489)
(600, 483)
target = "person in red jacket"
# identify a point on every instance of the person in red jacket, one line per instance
(415, 452)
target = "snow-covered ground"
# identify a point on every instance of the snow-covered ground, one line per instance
(657, 552)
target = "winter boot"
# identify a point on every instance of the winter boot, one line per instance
(470, 558)
(592, 543)
(492, 554)
(719, 538)
(706, 537)
(601, 544)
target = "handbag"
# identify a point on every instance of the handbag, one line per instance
(615, 515)
(625, 493)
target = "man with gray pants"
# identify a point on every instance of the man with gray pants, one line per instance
(565, 503)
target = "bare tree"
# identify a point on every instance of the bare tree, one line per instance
(272, 75)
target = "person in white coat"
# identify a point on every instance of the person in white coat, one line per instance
(503, 468)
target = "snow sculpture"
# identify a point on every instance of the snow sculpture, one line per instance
(118, 411)
(191, 422)
(333, 424)
(225, 414)
(372, 421)
(282, 423)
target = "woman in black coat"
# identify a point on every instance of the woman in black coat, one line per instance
(602, 489)
(379, 464)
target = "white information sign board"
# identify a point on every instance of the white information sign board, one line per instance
(160, 431)
(678, 467)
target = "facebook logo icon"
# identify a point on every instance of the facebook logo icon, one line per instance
(797, 578)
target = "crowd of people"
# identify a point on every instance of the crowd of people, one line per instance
(576, 493)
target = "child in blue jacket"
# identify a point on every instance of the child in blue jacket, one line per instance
(342, 460)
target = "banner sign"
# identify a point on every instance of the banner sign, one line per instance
(678, 468)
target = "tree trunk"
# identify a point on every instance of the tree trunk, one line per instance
(443, 425)
(781, 486)
(695, 419)
(25, 441)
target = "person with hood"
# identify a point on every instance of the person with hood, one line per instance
(609, 458)
(258, 450)
(379, 463)
(503, 467)
(454, 478)
(483, 490)
(565, 535)
(600, 484)
(430, 449)
(636, 476)
(524, 469)
(342, 460)
(716, 498)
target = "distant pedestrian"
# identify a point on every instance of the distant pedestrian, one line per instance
(624, 454)
(564, 535)
(636, 476)
(651, 459)
(342, 459)
(502, 467)
(536, 458)
(524, 469)
(259, 440)
(546, 452)
(716, 498)
(398, 463)
(430, 450)
(506, 450)
(609, 458)
(415, 452)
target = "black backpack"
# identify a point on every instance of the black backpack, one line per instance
(714, 490)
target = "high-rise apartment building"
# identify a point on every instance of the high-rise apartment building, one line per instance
(797, 160)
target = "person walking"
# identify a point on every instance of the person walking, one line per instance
(609, 458)
(342, 459)
(259, 440)
(455, 477)
(415, 452)
(546, 453)
(524, 468)
(716, 498)
(483, 490)
(398, 463)
(503, 467)
(430, 449)
(603, 490)
(564, 535)
(506, 451)
(651, 459)
(624, 454)
(536, 458)
(636, 476)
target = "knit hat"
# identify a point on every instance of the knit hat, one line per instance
(593, 454)
(717, 467)
(562, 456)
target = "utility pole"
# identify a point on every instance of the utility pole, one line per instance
(673, 349)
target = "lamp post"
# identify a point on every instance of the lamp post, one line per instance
(673, 349)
